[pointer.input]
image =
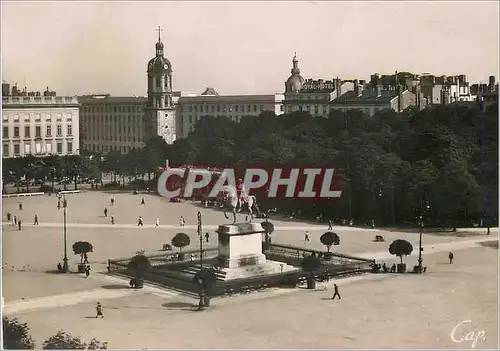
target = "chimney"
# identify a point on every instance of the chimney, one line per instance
(491, 83)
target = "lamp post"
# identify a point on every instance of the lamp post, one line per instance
(421, 225)
(201, 304)
(65, 267)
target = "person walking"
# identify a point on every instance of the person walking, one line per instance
(19, 225)
(157, 222)
(112, 200)
(330, 224)
(36, 220)
(207, 237)
(335, 292)
(306, 236)
(99, 310)
(182, 221)
(105, 212)
(20, 206)
(112, 219)
(14, 221)
(87, 271)
(9, 216)
(140, 222)
(450, 257)
(143, 202)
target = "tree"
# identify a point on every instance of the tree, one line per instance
(330, 238)
(139, 265)
(310, 264)
(82, 248)
(16, 335)
(400, 248)
(65, 341)
(181, 240)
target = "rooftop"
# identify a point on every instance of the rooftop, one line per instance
(229, 98)
(367, 97)
(107, 99)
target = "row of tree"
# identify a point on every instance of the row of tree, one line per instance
(441, 161)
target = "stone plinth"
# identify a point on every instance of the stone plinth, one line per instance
(241, 245)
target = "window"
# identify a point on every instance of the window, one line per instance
(48, 131)
(26, 118)
(48, 117)
(27, 132)
(59, 117)
(16, 149)
(281, 108)
(249, 108)
(5, 149)
(27, 149)
(59, 130)
(38, 131)
(48, 147)
(213, 108)
(16, 118)
(70, 148)
(16, 132)
(70, 130)
(5, 132)
(59, 148)
(5, 117)
(70, 117)
(38, 148)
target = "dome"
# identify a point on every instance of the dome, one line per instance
(294, 83)
(159, 63)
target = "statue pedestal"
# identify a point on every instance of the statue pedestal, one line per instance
(240, 245)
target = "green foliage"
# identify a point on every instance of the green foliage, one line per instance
(400, 248)
(310, 263)
(329, 238)
(16, 335)
(206, 276)
(181, 240)
(81, 248)
(65, 341)
(140, 264)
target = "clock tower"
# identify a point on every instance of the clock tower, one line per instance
(160, 109)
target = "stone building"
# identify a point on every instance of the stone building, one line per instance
(39, 124)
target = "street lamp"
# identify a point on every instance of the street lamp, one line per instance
(421, 229)
(65, 267)
(201, 304)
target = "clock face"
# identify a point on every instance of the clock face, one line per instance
(165, 66)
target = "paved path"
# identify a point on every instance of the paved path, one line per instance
(190, 227)
(92, 296)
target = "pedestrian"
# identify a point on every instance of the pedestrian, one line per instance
(112, 200)
(58, 204)
(372, 224)
(87, 271)
(330, 224)
(450, 256)
(112, 219)
(20, 206)
(335, 292)
(9, 216)
(36, 220)
(143, 202)
(157, 222)
(19, 225)
(306, 237)
(14, 220)
(105, 212)
(99, 310)
(192, 257)
(140, 222)
(182, 221)
(207, 237)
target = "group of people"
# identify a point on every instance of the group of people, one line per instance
(16, 221)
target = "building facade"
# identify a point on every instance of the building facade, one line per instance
(39, 124)
(160, 108)
(312, 96)
(192, 108)
(109, 123)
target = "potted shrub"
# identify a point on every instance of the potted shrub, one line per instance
(82, 248)
(400, 248)
(139, 265)
(310, 264)
(328, 239)
(181, 240)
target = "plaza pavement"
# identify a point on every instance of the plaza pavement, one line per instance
(30, 291)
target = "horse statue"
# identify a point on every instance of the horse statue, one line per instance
(231, 201)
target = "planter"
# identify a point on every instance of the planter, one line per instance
(401, 268)
(181, 256)
(81, 268)
(311, 283)
(136, 283)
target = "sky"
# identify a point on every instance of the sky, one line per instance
(241, 47)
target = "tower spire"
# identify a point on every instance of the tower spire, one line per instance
(159, 30)
(295, 62)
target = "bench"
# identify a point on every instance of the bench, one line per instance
(379, 239)
(23, 194)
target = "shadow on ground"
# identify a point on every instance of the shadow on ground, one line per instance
(115, 287)
(180, 306)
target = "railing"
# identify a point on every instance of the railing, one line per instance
(23, 194)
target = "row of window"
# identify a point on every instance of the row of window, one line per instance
(38, 148)
(120, 138)
(194, 119)
(113, 119)
(37, 117)
(225, 108)
(109, 148)
(38, 131)
(112, 108)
